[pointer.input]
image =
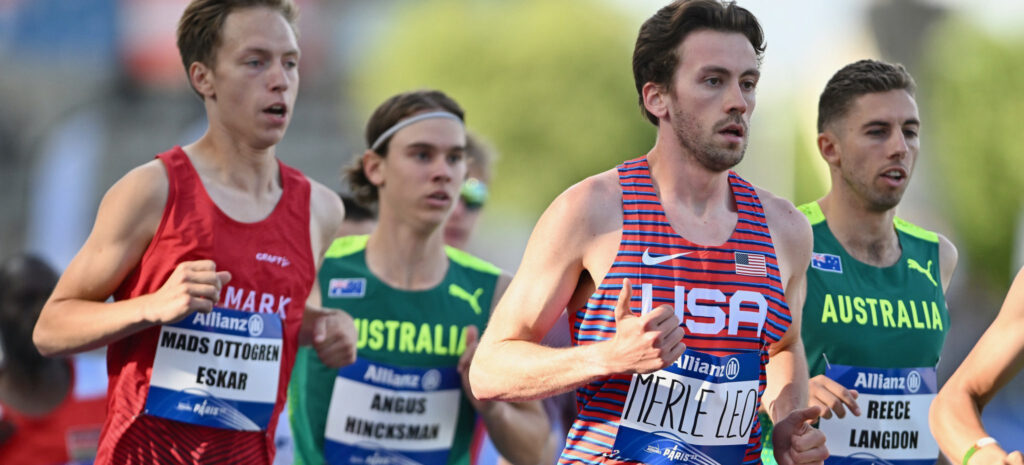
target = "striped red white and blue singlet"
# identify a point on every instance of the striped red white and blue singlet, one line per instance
(645, 227)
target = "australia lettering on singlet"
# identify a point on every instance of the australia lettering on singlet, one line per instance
(881, 312)
(410, 338)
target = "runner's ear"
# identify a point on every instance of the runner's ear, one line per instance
(828, 146)
(373, 167)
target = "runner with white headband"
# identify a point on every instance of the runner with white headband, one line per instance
(418, 308)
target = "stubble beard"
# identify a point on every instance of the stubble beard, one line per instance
(713, 157)
(875, 200)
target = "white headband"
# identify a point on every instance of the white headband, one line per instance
(405, 122)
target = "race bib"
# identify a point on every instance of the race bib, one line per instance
(385, 415)
(698, 410)
(893, 425)
(218, 369)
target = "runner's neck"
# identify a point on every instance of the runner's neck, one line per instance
(405, 259)
(870, 237)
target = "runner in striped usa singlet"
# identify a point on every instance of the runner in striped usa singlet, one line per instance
(674, 375)
(735, 305)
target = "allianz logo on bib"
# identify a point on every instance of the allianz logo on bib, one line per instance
(429, 381)
(730, 369)
(253, 325)
(273, 259)
(911, 383)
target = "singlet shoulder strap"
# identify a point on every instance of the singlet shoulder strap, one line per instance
(180, 172)
(638, 195)
(745, 196)
(813, 212)
(294, 179)
(346, 245)
(469, 261)
(914, 230)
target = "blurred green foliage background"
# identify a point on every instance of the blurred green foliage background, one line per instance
(559, 105)
(974, 100)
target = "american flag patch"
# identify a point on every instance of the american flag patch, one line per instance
(826, 262)
(750, 264)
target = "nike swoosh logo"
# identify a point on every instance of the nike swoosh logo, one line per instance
(647, 259)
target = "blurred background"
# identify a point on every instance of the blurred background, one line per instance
(91, 88)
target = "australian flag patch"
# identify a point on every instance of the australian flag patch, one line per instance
(346, 288)
(826, 262)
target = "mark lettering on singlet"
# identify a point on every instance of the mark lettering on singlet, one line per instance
(249, 300)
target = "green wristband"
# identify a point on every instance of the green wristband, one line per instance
(977, 445)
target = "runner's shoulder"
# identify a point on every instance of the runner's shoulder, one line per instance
(789, 227)
(783, 216)
(143, 190)
(595, 202)
(326, 208)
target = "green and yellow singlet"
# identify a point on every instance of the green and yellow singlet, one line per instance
(879, 331)
(402, 399)
(863, 315)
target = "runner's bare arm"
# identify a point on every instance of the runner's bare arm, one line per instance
(510, 364)
(947, 260)
(331, 332)
(795, 441)
(955, 416)
(77, 317)
(516, 428)
(787, 367)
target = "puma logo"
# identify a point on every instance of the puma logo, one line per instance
(914, 265)
(455, 291)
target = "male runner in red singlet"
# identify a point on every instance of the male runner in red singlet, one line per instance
(210, 252)
(675, 271)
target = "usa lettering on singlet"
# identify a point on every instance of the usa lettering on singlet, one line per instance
(893, 425)
(728, 298)
(218, 369)
(392, 415)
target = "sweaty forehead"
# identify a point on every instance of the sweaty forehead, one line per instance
(709, 48)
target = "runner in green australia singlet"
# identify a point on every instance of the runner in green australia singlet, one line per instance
(397, 328)
(418, 308)
(862, 315)
(875, 316)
